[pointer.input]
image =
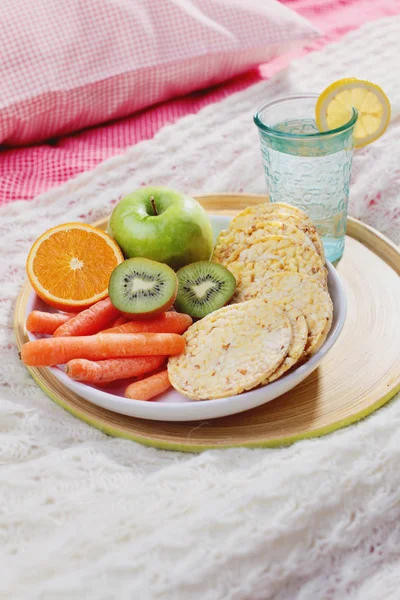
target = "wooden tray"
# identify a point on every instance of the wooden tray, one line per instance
(360, 373)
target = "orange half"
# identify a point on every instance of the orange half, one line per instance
(70, 265)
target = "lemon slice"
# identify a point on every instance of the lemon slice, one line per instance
(334, 108)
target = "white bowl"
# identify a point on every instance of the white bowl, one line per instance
(173, 406)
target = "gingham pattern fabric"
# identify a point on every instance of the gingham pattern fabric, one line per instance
(71, 64)
(27, 172)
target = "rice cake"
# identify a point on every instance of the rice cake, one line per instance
(297, 345)
(275, 254)
(254, 217)
(305, 225)
(262, 209)
(231, 242)
(231, 350)
(300, 295)
(251, 213)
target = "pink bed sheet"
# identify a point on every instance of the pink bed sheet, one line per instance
(26, 172)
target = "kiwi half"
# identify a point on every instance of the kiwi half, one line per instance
(203, 287)
(142, 287)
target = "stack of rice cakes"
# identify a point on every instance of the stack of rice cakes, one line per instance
(279, 316)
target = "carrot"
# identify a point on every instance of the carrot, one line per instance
(60, 350)
(89, 321)
(119, 321)
(44, 322)
(147, 388)
(169, 322)
(112, 369)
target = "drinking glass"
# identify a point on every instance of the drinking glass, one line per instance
(306, 167)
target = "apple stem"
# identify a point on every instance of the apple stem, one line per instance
(153, 203)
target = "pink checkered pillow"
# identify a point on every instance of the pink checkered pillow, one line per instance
(69, 64)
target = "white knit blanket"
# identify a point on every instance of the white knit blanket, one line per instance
(83, 515)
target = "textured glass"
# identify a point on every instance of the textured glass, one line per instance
(307, 168)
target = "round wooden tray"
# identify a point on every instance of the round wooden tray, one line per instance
(360, 373)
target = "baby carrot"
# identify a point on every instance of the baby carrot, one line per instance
(169, 322)
(60, 350)
(89, 321)
(112, 369)
(44, 322)
(147, 388)
(119, 321)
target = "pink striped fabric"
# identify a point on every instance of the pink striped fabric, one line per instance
(26, 172)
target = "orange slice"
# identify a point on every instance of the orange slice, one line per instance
(70, 265)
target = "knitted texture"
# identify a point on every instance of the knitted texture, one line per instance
(83, 515)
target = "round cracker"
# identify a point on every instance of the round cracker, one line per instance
(275, 254)
(231, 350)
(305, 225)
(301, 295)
(254, 216)
(251, 213)
(297, 345)
(230, 243)
(315, 344)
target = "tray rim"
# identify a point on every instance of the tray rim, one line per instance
(376, 242)
(178, 447)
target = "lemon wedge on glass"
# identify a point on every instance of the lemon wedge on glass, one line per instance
(334, 108)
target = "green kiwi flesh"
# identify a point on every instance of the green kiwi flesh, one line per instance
(203, 287)
(142, 287)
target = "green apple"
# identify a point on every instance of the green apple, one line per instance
(163, 225)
